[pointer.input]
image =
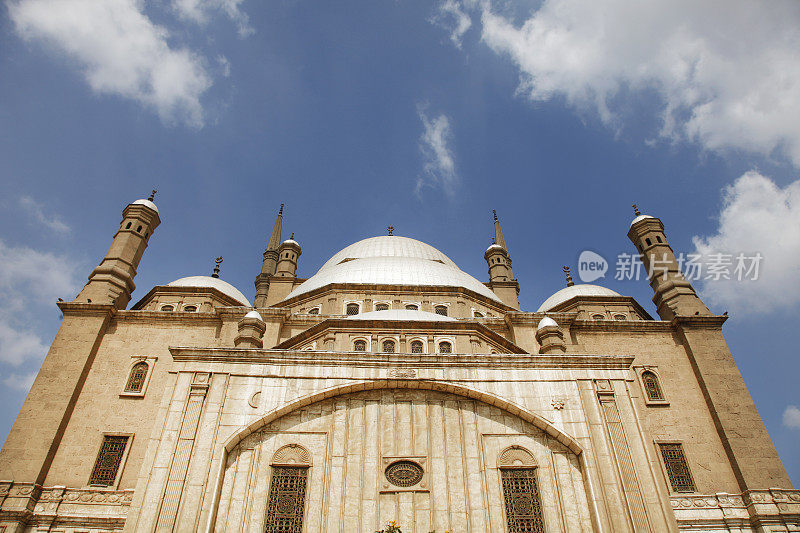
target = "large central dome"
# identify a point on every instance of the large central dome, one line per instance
(391, 260)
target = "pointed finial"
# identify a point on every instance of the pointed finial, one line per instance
(292, 237)
(390, 229)
(218, 261)
(494, 240)
(636, 210)
(570, 283)
(495, 214)
(152, 195)
(280, 211)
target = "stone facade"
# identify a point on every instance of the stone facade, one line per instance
(582, 398)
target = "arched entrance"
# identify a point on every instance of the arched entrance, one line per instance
(424, 454)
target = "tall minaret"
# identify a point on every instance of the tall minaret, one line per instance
(501, 277)
(673, 294)
(270, 262)
(112, 281)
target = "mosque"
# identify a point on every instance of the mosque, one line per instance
(389, 386)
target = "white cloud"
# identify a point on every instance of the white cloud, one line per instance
(757, 216)
(450, 15)
(200, 12)
(791, 417)
(726, 73)
(439, 166)
(20, 382)
(30, 282)
(18, 346)
(120, 51)
(36, 210)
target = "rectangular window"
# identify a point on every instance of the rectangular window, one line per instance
(108, 460)
(521, 495)
(677, 468)
(286, 504)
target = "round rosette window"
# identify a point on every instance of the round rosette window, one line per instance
(404, 473)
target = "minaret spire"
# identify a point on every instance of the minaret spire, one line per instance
(270, 262)
(498, 232)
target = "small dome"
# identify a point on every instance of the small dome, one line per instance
(546, 322)
(402, 314)
(213, 283)
(494, 247)
(568, 293)
(146, 203)
(640, 218)
(290, 241)
(254, 314)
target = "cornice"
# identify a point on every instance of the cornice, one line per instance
(700, 322)
(328, 358)
(86, 309)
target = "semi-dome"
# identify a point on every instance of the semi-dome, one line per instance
(402, 314)
(254, 314)
(214, 283)
(568, 293)
(146, 203)
(391, 260)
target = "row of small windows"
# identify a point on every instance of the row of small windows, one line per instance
(186, 308)
(599, 316)
(388, 346)
(138, 229)
(355, 308)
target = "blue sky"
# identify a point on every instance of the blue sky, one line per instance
(425, 115)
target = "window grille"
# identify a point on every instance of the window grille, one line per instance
(412, 307)
(388, 346)
(286, 503)
(108, 460)
(137, 377)
(167, 308)
(651, 386)
(352, 309)
(360, 346)
(521, 495)
(416, 347)
(445, 347)
(477, 314)
(313, 311)
(619, 317)
(381, 307)
(190, 309)
(441, 310)
(599, 317)
(677, 469)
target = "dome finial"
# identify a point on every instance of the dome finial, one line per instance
(152, 195)
(390, 229)
(636, 210)
(218, 261)
(292, 237)
(566, 270)
(495, 214)
(280, 211)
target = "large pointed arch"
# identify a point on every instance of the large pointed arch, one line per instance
(529, 416)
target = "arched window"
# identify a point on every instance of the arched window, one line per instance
(360, 346)
(412, 307)
(651, 386)
(388, 346)
(287, 490)
(445, 347)
(352, 309)
(139, 229)
(520, 491)
(137, 377)
(477, 314)
(441, 310)
(167, 307)
(619, 317)
(128, 226)
(381, 307)
(190, 308)
(658, 238)
(313, 311)
(417, 347)
(598, 317)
